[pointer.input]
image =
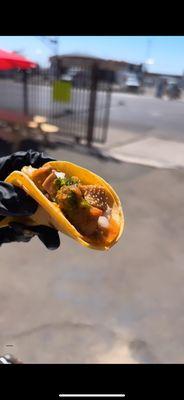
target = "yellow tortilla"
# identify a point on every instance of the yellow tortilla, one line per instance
(48, 212)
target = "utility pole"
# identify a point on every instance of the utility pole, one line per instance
(51, 42)
(149, 45)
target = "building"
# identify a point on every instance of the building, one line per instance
(109, 70)
(152, 79)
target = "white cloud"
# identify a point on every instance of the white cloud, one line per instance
(38, 51)
(150, 61)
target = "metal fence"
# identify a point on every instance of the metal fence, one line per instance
(84, 116)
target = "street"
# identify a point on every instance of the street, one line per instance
(133, 114)
(147, 116)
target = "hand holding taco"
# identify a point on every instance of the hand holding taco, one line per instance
(72, 200)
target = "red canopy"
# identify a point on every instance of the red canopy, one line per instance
(11, 60)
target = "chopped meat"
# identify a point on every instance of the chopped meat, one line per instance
(84, 219)
(64, 193)
(49, 186)
(68, 196)
(95, 195)
(84, 222)
(61, 199)
(76, 190)
(39, 176)
(85, 206)
(95, 212)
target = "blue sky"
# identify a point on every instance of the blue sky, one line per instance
(165, 53)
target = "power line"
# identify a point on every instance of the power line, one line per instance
(51, 43)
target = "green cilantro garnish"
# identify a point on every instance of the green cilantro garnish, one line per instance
(72, 199)
(59, 182)
(84, 203)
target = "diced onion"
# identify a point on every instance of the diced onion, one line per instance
(28, 170)
(103, 223)
(59, 174)
(107, 212)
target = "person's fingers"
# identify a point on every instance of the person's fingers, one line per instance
(48, 236)
(16, 161)
(37, 159)
(15, 202)
(8, 234)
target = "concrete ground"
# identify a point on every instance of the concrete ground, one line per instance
(149, 151)
(145, 116)
(145, 130)
(76, 305)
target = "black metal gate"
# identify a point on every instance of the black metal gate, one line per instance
(85, 115)
(78, 103)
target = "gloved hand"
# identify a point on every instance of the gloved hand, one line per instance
(15, 202)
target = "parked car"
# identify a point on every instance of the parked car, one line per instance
(132, 84)
(173, 90)
(66, 77)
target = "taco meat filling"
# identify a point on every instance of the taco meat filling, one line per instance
(87, 207)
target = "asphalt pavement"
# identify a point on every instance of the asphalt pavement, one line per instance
(147, 116)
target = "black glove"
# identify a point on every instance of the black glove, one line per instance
(15, 202)
(17, 232)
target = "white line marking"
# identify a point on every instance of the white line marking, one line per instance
(92, 395)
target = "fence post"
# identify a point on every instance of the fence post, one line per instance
(92, 103)
(25, 92)
(107, 112)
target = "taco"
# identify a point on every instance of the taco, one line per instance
(73, 200)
